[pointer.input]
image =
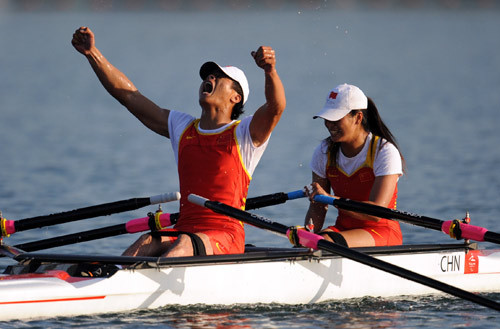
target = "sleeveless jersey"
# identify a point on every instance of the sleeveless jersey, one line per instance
(210, 165)
(357, 186)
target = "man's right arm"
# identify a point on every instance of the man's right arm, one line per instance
(119, 86)
(267, 116)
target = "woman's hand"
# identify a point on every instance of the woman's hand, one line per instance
(314, 189)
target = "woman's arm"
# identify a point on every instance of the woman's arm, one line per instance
(380, 195)
(317, 210)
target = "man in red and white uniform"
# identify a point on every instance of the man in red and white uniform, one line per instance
(216, 154)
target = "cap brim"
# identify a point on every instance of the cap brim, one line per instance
(208, 68)
(331, 114)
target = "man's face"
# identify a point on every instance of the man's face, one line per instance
(216, 88)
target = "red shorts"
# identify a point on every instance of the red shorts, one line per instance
(222, 242)
(383, 236)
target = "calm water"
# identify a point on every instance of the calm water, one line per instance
(65, 143)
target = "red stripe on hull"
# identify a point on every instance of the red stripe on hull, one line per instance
(53, 300)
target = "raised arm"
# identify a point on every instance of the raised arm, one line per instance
(119, 86)
(268, 115)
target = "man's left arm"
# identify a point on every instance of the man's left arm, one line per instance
(267, 116)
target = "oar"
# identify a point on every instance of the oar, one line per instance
(273, 199)
(453, 228)
(145, 223)
(8, 227)
(311, 240)
(154, 222)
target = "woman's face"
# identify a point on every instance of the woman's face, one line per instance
(343, 129)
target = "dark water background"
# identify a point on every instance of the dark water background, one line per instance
(433, 69)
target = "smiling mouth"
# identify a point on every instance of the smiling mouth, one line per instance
(334, 133)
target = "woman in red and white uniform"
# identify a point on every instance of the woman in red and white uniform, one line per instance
(359, 160)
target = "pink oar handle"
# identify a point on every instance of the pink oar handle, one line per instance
(471, 232)
(142, 224)
(306, 238)
(7, 227)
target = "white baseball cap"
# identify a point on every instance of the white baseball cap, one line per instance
(342, 100)
(231, 71)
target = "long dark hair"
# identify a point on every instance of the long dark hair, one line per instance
(372, 122)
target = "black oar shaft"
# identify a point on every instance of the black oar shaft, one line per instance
(252, 203)
(379, 211)
(100, 233)
(73, 238)
(492, 237)
(133, 204)
(467, 231)
(407, 274)
(356, 256)
(86, 212)
(266, 200)
(249, 218)
(82, 213)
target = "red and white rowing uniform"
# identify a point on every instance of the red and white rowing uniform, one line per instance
(218, 165)
(353, 178)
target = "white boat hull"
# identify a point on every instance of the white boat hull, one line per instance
(286, 280)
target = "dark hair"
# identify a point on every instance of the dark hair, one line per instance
(372, 122)
(237, 108)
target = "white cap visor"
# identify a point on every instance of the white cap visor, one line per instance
(331, 114)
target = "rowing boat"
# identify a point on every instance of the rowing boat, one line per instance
(48, 285)
(44, 285)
